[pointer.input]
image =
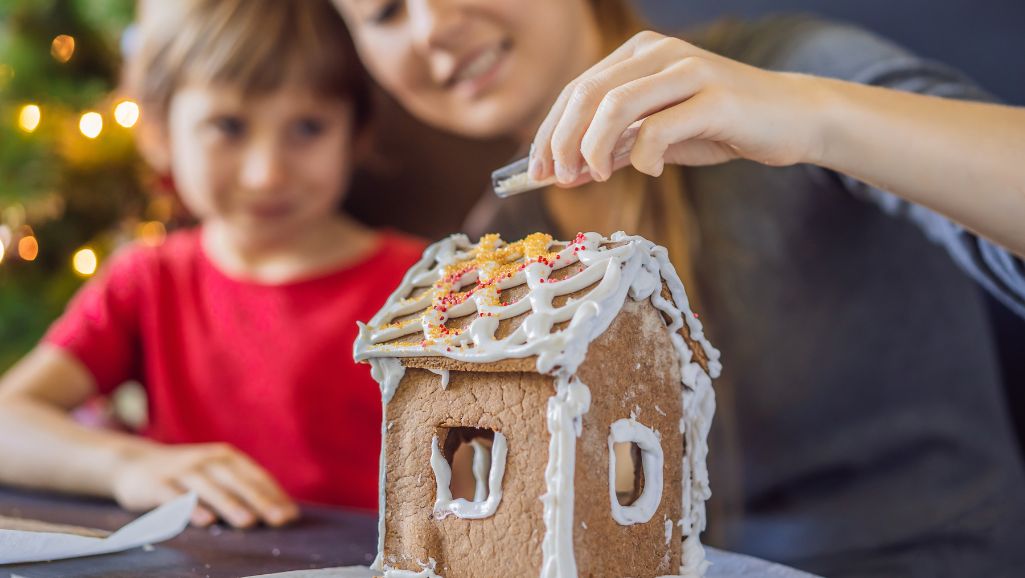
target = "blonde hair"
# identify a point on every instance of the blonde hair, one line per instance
(256, 45)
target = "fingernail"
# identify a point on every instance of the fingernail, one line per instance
(563, 173)
(535, 169)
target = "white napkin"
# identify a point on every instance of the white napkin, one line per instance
(163, 523)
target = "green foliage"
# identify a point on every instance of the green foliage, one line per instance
(67, 190)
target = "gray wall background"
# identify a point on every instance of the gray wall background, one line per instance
(984, 38)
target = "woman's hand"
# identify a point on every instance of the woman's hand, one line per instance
(229, 484)
(694, 108)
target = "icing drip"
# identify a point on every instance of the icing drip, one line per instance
(388, 373)
(571, 401)
(486, 498)
(444, 373)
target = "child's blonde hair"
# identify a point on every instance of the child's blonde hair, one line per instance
(256, 45)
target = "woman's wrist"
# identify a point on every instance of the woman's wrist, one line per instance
(828, 111)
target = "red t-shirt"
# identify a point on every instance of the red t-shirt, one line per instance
(267, 368)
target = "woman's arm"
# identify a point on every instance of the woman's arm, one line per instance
(696, 108)
(42, 447)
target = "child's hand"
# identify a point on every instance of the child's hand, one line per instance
(698, 109)
(229, 484)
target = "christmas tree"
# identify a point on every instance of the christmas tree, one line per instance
(72, 187)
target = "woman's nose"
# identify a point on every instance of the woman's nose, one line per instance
(263, 167)
(435, 23)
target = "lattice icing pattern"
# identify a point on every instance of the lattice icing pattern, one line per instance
(456, 279)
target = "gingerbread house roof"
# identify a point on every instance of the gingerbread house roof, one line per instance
(531, 304)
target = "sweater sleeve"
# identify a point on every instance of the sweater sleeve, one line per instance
(100, 326)
(838, 51)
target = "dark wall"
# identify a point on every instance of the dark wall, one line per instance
(983, 38)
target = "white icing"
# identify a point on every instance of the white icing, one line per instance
(629, 430)
(426, 572)
(481, 470)
(636, 267)
(388, 372)
(694, 563)
(565, 409)
(444, 373)
(669, 529)
(486, 498)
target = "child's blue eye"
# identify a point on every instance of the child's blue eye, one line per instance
(230, 126)
(386, 13)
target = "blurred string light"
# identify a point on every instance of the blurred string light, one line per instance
(29, 117)
(151, 233)
(84, 262)
(62, 48)
(3, 251)
(28, 248)
(91, 124)
(126, 113)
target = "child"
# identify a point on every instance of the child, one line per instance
(240, 329)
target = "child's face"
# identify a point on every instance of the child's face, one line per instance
(265, 166)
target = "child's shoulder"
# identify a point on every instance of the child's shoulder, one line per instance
(395, 245)
(142, 257)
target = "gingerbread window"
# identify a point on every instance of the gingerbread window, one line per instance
(468, 465)
(639, 460)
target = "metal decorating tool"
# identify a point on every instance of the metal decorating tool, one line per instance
(514, 178)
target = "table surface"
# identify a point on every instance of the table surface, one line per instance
(323, 538)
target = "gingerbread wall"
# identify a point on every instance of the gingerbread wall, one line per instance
(632, 367)
(505, 544)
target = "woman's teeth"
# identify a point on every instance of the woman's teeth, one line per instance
(479, 65)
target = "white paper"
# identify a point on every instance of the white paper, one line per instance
(161, 524)
(723, 565)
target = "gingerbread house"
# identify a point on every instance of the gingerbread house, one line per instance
(546, 409)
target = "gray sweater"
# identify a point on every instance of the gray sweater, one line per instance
(873, 435)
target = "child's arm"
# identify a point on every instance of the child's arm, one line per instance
(42, 447)
(960, 159)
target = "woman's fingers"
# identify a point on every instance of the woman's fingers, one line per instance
(541, 161)
(627, 103)
(218, 499)
(267, 505)
(586, 99)
(691, 119)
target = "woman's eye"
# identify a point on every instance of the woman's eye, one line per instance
(386, 12)
(229, 126)
(308, 128)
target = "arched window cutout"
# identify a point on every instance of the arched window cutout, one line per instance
(629, 472)
(636, 502)
(468, 465)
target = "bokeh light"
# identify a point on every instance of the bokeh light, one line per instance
(126, 113)
(151, 233)
(91, 124)
(28, 248)
(29, 117)
(62, 48)
(85, 262)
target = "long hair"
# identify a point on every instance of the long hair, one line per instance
(657, 209)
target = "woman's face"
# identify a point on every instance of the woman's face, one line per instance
(479, 68)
